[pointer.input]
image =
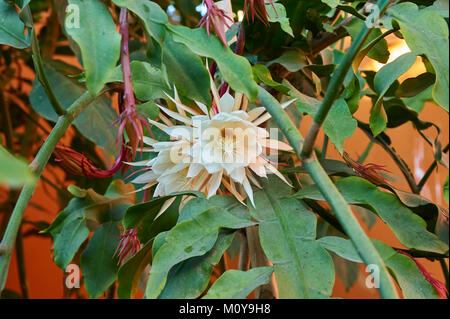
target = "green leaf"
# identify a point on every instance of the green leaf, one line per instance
(446, 189)
(292, 60)
(387, 75)
(151, 227)
(186, 71)
(136, 214)
(417, 102)
(97, 261)
(430, 39)
(287, 231)
(407, 274)
(410, 229)
(237, 284)
(189, 239)
(21, 3)
(189, 279)
(14, 171)
(332, 167)
(111, 206)
(70, 228)
(69, 240)
(279, 15)
(331, 3)
(236, 70)
(414, 86)
(198, 205)
(149, 83)
(374, 47)
(94, 122)
(98, 40)
(262, 73)
(12, 29)
(339, 124)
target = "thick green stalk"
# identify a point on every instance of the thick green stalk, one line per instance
(38, 166)
(280, 116)
(335, 85)
(351, 226)
(340, 207)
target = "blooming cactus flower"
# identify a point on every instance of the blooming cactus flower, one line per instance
(211, 148)
(215, 18)
(258, 9)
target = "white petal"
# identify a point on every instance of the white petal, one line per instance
(175, 115)
(226, 103)
(255, 113)
(180, 106)
(165, 206)
(267, 116)
(253, 179)
(145, 178)
(149, 141)
(180, 131)
(157, 124)
(140, 163)
(275, 145)
(238, 174)
(194, 170)
(237, 101)
(276, 172)
(214, 183)
(202, 107)
(248, 190)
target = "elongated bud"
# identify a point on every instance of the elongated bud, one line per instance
(437, 284)
(217, 19)
(367, 171)
(258, 9)
(78, 164)
(129, 245)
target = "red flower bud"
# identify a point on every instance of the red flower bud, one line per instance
(437, 284)
(217, 18)
(78, 164)
(129, 245)
(368, 171)
(258, 9)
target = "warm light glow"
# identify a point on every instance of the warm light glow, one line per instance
(240, 15)
(396, 50)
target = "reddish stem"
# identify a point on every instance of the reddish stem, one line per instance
(128, 94)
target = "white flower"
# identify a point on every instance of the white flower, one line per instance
(224, 146)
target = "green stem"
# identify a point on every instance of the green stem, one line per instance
(39, 65)
(7, 124)
(351, 226)
(364, 155)
(38, 166)
(330, 192)
(243, 252)
(21, 265)
(406, 171)
(335, 85)
(323, 154)
(445, 271)
(430, 171)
